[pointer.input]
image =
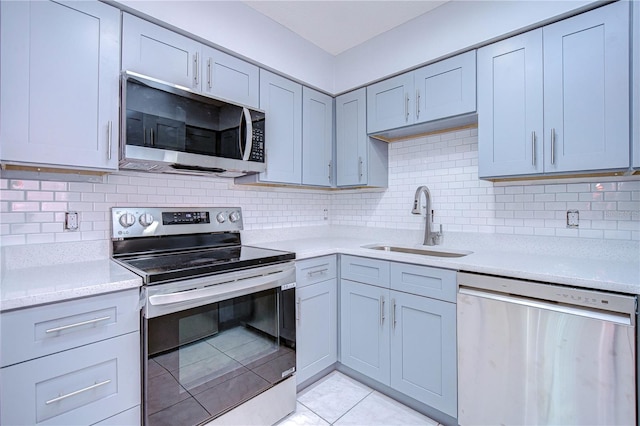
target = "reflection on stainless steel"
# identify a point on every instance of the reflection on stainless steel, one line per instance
(525, 360)
(423, 252)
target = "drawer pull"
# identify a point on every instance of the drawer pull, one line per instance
(79, 391)
(319, 271)
(78, 324)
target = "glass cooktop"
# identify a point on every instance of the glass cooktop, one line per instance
(157, 268)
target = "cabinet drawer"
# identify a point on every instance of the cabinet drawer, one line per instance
(315, 270)
(424, 281)
(365, 270)
(43, 330)
(80, 386)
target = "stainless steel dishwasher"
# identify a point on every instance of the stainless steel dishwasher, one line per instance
(538, 354)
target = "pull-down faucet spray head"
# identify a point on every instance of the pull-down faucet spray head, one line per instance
(416, 200)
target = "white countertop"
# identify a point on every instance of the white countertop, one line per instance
(30, 286)
(40, 275)
(594, 272)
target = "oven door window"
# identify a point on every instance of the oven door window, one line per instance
(205, 361)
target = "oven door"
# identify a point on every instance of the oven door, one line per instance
(209, 349)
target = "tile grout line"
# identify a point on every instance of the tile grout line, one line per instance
(354, 406)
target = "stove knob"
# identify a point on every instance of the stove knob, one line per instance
(145, 219)
(220, 217)
(234, 216)
(127, 219)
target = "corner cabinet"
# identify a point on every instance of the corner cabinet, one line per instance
(398, 327)
(440, 90)
(360, 160)
(73, 362)
(317, 138)
(60, 84)
(556, 100)
(160, 53)
(316, 316)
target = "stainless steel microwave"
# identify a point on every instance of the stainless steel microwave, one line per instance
(168, 128)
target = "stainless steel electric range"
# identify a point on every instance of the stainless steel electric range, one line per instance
(218, 317)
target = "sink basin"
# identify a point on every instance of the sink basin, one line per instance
(421, 251)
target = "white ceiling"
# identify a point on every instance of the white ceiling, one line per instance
(338, 25)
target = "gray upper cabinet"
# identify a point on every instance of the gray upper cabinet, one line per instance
(317, 138)
(390, 103)
(157, 52)
(227, 77)
(361, 161)
(440, 90)
(586, 91)
(635, 84)
(281, 99)
(510, 118)
(556, 100)
(446, 88)
(59, 83)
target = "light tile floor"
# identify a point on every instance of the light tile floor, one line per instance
(339, 400)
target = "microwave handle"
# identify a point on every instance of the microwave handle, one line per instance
(248, 145)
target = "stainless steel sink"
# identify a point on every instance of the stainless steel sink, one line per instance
(421, 251)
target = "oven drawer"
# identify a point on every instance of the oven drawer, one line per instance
(43, 330)
(80, 386)
(311, 271)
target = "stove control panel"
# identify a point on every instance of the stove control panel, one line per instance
(128, 222)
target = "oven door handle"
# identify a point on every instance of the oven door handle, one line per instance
(226, 290)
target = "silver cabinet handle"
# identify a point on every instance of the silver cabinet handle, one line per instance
(195, 69)
(110, 130)
(406, 107)
(79, 391)
(153, 142)
(319, 271)
(330, 178)
(209, 73)
(417, 104)
(381, 303)
(298, 310)
(553, 146)
(78, 324)
(533, 148)
(359, 169)
(393, 312)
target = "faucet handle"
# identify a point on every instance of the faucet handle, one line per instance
(438, 237)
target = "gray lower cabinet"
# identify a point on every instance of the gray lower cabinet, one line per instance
(74, 362)
(316, 316)
(60, 83)
(395, 335)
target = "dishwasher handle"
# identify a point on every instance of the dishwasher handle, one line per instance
(613, 317)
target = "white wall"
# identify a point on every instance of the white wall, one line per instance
(452, 27)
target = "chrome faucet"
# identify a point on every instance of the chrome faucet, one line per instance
(430, 237)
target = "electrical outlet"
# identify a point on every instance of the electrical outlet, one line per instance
(71, 221)
(326, 214)
(573, 218)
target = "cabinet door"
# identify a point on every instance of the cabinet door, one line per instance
(317, 138)
(446, 88)
(159, 53)
(227, 77)
(60, 83)
(510, 126)
(317, 328)
(351, 139)
(586, 91)
(281, 99)
(364, 329)
(390, 103)
(423, 350)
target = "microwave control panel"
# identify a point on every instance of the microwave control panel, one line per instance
(257, 148)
